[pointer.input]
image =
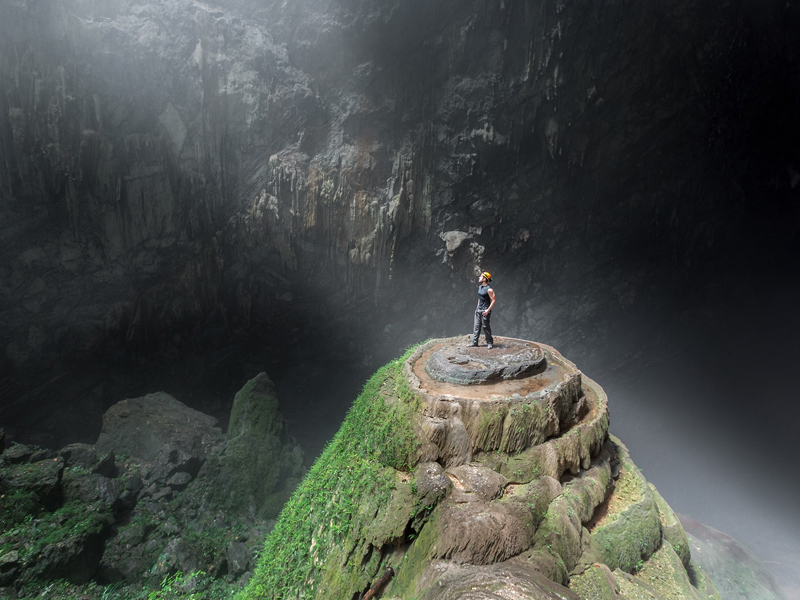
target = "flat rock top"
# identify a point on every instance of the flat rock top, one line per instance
(459, 362)
(546, 374)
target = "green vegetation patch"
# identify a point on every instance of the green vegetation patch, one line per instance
(664, 572)
(630, 531)
(74, 519)
(16, 506)
(672, 528)
(194, 586)
(524, 426)
(319, 545)
(593, 583)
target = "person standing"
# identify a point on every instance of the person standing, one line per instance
(483, 312)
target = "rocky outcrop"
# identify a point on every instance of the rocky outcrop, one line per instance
(261, 464)
(575, 519)
(162, 491)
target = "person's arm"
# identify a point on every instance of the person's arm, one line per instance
(491, 295)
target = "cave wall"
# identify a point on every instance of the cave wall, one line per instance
(181, 173)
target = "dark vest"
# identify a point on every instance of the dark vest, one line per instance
(483, 297)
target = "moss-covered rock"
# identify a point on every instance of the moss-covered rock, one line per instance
(595, 583)
(505, 580)
(395, 488)
(633, 588)
(665, 573)
(261, 464)
(64, 544)
(40, 480)
(671, 528)
(630, 530)
(334, 534)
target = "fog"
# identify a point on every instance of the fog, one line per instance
(652, 239)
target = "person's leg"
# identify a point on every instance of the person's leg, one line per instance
(476, 328)
(487, 328)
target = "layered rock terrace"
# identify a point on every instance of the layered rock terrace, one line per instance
(510, 482)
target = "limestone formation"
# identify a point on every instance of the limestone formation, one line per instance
(534, 499)
(161, 491)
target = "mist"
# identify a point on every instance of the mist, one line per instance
(192, 194)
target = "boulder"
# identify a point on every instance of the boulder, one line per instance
(179, 481)
(17, 454)
(505, 580)
(141, 427)
(41, 479)
(79, 455)
(91, 488)
(106, 465)
(238, 556)
(475, 482)
(64, 544)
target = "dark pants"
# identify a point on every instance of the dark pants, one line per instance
(482, 320)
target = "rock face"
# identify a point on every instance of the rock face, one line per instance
(162, 491)
(510, 489)
(165, 164)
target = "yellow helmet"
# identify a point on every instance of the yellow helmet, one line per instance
(487, 275)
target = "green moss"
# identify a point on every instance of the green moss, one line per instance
(633, 588)
(672, 529)
(631, 530)
(194, 586)
(16, 506)
(71, 520)
(416, 560)
(593, 584)
(318, 546)
(664, 572)
(560, 531)
(489, 433)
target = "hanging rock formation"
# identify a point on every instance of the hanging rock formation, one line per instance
(180, 171)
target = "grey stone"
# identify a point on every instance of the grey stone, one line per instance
(163, 494)
(179, 481)
(92, 488)
(141, 427)
(8, 593)
(105, 466)
(134, 483)
(43, 478)
(476, 483)
(460, 363)
(238, 556)
(79, 455)
(17, 454)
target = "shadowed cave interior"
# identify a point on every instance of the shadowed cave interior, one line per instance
(192, 194)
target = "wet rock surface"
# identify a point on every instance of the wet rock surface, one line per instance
(532, 506)
(468, 365)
